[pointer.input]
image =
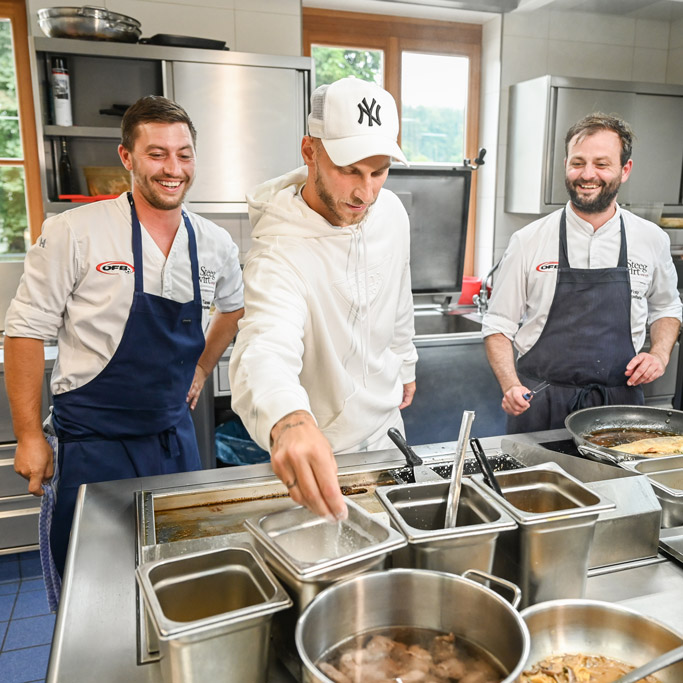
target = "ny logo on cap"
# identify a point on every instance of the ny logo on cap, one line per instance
(367, 111)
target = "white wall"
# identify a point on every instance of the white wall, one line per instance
(577, 44)
(266, 26)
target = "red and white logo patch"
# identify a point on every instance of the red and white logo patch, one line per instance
(114, 267)
(547, 266)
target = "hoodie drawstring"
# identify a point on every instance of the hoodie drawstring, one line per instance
(363, 302)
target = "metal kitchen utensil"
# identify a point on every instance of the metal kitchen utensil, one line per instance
(486, 470)
(657, 664)
(535, 390)
(420, 471)
(458, 462)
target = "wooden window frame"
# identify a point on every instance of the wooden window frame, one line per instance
(15, 11)
(395, 35)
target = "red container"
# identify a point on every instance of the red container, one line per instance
(470, 286)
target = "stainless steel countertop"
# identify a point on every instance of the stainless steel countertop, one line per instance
(95, 633)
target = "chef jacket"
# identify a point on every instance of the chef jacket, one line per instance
(78, 283)
(525, 287)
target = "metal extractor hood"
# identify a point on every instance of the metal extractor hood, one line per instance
(497, 6)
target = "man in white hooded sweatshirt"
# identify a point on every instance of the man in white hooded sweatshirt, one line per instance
(324, 359)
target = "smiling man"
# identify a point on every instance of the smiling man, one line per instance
(125, 287)
(577, 290)
(324, 359)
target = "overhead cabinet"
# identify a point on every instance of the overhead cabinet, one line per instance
(249, 110)
(543, 109)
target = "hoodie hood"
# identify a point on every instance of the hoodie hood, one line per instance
(276, 209)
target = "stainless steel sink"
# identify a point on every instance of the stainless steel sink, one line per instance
(436, 321)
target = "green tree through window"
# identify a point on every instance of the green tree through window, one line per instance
(333, 63)
(13, 216)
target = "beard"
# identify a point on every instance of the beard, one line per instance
(332, 204)
(146, 187)
(601, 202)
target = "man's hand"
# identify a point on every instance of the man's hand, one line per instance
(408, 393)
(645, 368)
(33, 461)
(302, 458)
(514, 402)
(196, 387)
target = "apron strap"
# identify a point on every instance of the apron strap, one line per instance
(563, 260)
(137, 251)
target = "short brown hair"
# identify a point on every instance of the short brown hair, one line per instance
(598, 121)
(152, 109)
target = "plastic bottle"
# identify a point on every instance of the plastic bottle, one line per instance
(66, 182)
(61, 92)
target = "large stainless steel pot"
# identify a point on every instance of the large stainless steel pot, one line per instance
(599, 628)
(91, 23)
(589, 420)
(412, 597)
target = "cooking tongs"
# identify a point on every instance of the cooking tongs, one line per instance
(458, 464)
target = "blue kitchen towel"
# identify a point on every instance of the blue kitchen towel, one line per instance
(53, 582)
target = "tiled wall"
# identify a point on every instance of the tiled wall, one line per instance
(266, 26)
(587, 45)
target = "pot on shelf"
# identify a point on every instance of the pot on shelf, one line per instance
(90, 23)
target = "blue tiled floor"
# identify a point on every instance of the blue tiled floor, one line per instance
(26, 624)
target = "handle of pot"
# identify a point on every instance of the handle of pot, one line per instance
(595, 454)
(90, 11)
(512, 587)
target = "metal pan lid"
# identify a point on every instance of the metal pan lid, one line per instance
(308, 546)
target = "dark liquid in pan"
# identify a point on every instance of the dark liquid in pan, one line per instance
(617, 437)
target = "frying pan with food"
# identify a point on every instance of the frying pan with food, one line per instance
(655, 421)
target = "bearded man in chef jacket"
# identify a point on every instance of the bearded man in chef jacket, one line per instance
(324, 360)
(125, 286)
(577, 289)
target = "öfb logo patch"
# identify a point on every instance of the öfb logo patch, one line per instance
(114, 267)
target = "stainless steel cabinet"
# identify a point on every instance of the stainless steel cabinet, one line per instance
(543, 109)
(250, 121)
(249, 109)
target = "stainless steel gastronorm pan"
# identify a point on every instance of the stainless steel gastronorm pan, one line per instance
(547, 555)
(418, 511)
(666, 478)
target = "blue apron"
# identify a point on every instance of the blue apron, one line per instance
(132, 420)
(585, 345)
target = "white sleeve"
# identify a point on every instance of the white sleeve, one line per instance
(404, 329)
(663, 299)
(509, 294)
(51, 271)
(229, 294)
(267, 359)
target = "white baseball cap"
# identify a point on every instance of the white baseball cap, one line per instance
(355, 120)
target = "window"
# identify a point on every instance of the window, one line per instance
(432, 68)
(20, 203)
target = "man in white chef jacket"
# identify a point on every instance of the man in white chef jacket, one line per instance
(125, 287)
(577, 289)
(324, 360)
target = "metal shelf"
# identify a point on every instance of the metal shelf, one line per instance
(82, 131)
